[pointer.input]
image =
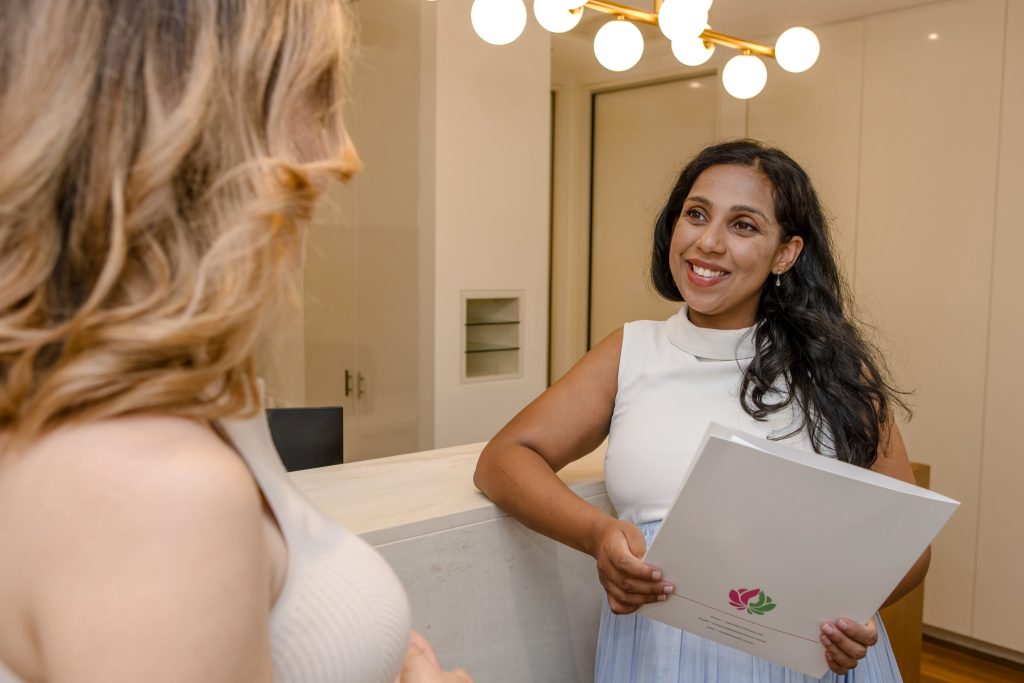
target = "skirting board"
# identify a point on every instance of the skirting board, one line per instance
(1001, 655)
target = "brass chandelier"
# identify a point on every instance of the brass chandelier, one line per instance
(619, 44)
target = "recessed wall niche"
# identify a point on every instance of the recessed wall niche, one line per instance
(492, 337)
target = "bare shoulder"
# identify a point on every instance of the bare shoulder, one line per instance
(142, 464)
(134, 525)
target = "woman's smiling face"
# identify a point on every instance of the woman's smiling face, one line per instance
(726, 244)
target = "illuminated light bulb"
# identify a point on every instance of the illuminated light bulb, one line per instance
(797, 49)
(618, 45)
(498, 22)
(571, 4)
(681, 18)
(552, 15)
(744, 76)
(692, 51)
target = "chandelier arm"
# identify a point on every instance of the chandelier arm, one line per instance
(618, 9)
(651, 18)
(737, 43)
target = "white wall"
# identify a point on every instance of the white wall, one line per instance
(491, 132)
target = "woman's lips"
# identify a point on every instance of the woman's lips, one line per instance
(704, 274)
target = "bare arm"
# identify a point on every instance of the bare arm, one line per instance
(517, 471)
(893, 461)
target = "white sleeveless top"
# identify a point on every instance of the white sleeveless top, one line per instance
(675, 378)
(342, 616)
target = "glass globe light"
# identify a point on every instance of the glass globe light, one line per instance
(552, 15)
(797, 49)
(681, 18)
(692, 51)
(744, 76)
(498, 22)
(570, 4)
(618, 45)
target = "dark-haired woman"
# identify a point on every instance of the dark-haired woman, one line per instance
(764, 343)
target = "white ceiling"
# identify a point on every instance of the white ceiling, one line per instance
(753, 18)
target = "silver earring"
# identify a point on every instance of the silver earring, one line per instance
(778, 279)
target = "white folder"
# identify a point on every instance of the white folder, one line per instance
(765, 542)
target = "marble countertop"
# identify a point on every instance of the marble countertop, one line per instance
(392, 498)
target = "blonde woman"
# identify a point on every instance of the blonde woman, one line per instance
(160, 161)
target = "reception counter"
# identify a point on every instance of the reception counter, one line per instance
(493, 597)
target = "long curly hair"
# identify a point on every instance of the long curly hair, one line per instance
(809, 349)
(152, 190)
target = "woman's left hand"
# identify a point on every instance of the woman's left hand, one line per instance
(846, 643)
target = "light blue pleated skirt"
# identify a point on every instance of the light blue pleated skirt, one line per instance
(634, 649)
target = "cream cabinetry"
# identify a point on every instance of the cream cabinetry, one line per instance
(914, 131)
(929, 154)
(1000, 566)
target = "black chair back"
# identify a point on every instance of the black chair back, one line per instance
(307, 437)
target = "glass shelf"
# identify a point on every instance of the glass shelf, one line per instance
(473, 322)
(478, 347)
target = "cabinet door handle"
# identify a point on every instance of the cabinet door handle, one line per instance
(348, 383)
(360, 385)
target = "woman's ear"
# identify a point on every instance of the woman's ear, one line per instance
(787, 254)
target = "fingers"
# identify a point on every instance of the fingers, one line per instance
(846, 643)
(629, 581)
(424, 646)
(421, 668)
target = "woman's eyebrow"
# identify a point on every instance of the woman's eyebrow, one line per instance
(736, 208)
(743, 208)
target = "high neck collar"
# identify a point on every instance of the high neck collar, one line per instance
(708, 343)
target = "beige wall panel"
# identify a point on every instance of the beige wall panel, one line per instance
(998, 601)
(642, 138)
(330, 306)
(815, 118)
(280, 352)
(386, 120)
(924, 245)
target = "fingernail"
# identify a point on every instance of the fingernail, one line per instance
(669, 589)
(827, 628)
(656, 575)
(844, 624)
(662, 598)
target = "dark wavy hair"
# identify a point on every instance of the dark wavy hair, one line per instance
(808, 347)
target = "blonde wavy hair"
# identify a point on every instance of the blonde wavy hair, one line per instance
(155, 174)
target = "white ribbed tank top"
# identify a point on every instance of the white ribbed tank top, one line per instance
(342, 616)
(675, 378)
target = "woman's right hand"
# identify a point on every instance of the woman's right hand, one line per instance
(628, 580)
(421, 665)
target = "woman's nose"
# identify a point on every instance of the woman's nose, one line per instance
(710, 239)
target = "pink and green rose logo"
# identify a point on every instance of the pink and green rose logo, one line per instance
(754, 600)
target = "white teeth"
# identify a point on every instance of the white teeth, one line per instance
(705, 272)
